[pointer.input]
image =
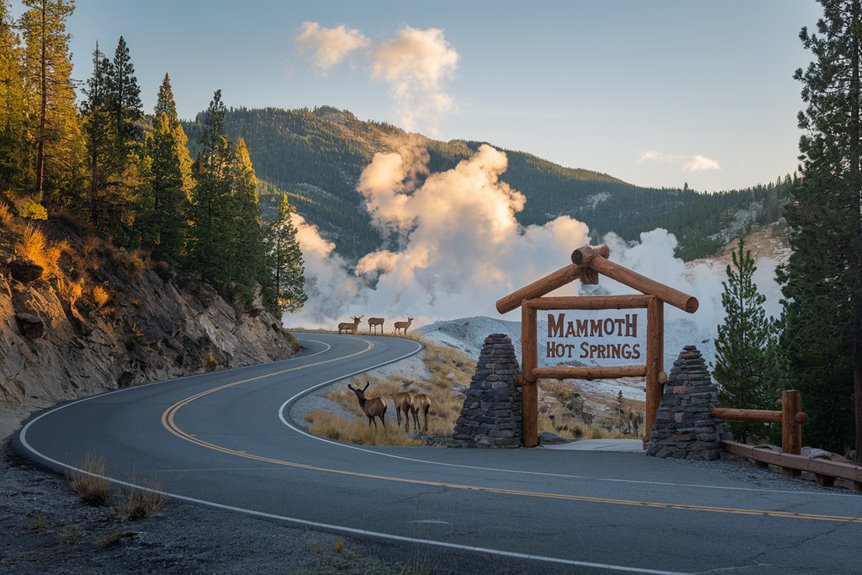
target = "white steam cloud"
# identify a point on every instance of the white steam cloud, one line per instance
(330, 46)
(461, 249)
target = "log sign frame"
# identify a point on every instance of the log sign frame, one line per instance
(587, 263)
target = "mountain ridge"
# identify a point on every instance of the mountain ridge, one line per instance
(317, 157)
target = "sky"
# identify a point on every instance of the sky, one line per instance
(657, 93)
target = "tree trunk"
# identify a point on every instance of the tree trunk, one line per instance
(856, 296)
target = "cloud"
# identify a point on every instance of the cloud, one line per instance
(330, 46)
(699, 164)
(417, 64)
(690, 164)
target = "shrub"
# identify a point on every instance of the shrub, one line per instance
(5, 214)
(90, 483)
(100, 295)
(141, 503)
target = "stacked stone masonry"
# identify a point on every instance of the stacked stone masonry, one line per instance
(684, 428)
(491, 414)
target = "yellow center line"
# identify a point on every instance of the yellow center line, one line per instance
(169, 423)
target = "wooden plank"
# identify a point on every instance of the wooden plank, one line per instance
(591, 302)
(654, 336)
(530, 414)
(644, 284)
(583, 255)
(609, 372)
(817, 466)
(791, 432)
(759, 415)
(529, 343)
(539, 287)
(529, 389)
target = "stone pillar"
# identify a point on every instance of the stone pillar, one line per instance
(491, 414)
(684, 428)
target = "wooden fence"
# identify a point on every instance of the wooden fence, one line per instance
(791, 417)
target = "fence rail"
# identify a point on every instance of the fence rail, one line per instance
(791, 417)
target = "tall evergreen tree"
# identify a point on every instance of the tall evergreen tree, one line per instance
(285, 260)
(12, 110)
(164, 217)
(169, 185)
(248, 264)
(124, 102)
(165, 103)
(209, 234)
(822, 282)
(49, 90)
(746, 351)
(99, 132)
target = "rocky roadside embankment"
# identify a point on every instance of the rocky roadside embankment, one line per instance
(78, 317)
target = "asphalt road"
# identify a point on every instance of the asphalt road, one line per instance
(225, 439)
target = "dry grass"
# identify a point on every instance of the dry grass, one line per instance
(100, 296)
(140, 503)
(571, 429)
(450, 373)
(6, 217)
(90, 483)
(33, 245)
(328, 425)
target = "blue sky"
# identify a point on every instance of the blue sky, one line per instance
(657, 93)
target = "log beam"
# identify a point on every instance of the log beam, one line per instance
(583, 255)
(644, 284)
(539, 287)
(609, 372)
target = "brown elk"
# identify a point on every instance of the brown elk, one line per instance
(349, 327)
(373, 322)
(403, 400)
(371, 406)
(403, 325)
(420, 402)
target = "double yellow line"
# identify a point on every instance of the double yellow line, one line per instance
(169, 423)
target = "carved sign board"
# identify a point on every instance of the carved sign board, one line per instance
(602, 338)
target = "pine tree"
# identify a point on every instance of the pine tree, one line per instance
(99, 132)
(124, 102)
(746, 350)
(164, 217)
(285, 260)
(248, 265)
(165, 103)
(13, 171)
(822, 282)
(50, 93)
(209, 234)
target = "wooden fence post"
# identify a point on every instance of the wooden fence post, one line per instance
(791, 428)
(529, 388)
(655, 345)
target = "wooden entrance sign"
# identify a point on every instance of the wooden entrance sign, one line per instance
(588, 263)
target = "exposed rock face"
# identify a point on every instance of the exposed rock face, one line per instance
(684, 428)
(491, 414)
(58, 343)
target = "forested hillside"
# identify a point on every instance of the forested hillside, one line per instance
(317, 157)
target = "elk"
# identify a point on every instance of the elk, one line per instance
(371, 406)
(403, 325)
(349, 327)
(373, 322)
(420, 402)
(403, 400)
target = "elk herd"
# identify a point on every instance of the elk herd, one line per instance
(373, 324)
(408, 403)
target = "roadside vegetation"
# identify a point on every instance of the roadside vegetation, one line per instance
(129, 503)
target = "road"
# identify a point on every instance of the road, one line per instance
(225, 439)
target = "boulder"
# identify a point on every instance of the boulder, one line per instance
(30, 325)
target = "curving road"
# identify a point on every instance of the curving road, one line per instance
(226, 439)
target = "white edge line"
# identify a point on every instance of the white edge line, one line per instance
(376, 534)
(285, 421)
(327, 526)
